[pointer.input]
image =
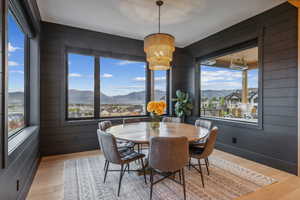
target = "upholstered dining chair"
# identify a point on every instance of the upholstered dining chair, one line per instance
(171, 119)
(167, 157)
(204, 153)
(203, 124)
(121, 143)
(123, 158)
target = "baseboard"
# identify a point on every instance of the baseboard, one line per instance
(24, 192)
(260, 158)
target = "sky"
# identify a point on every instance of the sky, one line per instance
(117, 77)
(15, 56)
(215, 78)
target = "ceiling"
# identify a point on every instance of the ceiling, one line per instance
(188, 20)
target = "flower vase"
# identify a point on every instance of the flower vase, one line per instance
(155, 121)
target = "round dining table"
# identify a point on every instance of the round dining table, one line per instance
(141, 132)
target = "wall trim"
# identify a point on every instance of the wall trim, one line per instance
(298, 125)
(260, 158)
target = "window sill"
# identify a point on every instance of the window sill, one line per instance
(84, 122)
(240, 124)
(15, 141)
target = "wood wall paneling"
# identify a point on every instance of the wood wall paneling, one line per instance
(276, 144)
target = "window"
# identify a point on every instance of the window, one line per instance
(160, 85)
(80, 86)
(123, 87)
(229, 86)
(120, 89)
(16, 76)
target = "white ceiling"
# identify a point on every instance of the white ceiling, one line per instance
(187, 20)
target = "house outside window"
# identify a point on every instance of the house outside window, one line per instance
(229, 86)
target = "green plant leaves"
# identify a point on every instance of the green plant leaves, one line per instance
(183, 105)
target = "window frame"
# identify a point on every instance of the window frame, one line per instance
(26, 65)
(152, 81)
(97, 56)
(256, 42)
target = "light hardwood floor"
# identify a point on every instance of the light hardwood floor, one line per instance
(48, 182)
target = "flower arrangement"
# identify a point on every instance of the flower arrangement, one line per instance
(156, 109)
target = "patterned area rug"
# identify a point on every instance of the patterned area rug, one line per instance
(83, 180)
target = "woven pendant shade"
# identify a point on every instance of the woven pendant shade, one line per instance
(295, 2)
(159, 49)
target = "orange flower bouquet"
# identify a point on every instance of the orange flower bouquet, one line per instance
(156, 109)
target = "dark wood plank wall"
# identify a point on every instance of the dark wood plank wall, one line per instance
(276, 143)
(58, 136)
(21, 164)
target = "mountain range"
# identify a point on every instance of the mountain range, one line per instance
(86, 97)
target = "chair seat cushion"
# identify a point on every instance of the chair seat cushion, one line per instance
(196, 150)
(123, 143)
(130, 155)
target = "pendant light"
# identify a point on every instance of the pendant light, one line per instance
(159, 47)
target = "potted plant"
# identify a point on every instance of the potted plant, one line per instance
(156, 109)
(183, 105)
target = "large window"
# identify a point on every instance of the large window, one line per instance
(16, 76)
(229, 86)
(81, 86)
(160, 85)
(123, 87)
(100, 87)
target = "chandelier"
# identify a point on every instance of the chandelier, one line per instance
(159, 47)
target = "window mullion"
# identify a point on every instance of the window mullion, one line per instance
(97, 88)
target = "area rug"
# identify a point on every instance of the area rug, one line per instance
(83, 180)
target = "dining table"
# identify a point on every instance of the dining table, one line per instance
(142, 132)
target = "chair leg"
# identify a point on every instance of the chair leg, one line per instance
(200, 168)
(105, 164)
(128, 167)
(143, 166)
(151, 183)
(180, 176)
(206, 163)
(120, 179)
(183, 183)
(106, 169)
(190, 163)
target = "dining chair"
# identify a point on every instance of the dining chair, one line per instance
(206, 124)
(131, 120)
(120, 143)
(171, 119)
(122, 158)
(167, 157)
(204, 153)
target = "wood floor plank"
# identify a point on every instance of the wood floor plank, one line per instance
(49, 184)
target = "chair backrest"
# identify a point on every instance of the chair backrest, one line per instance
(210, 142)
(104, 125)
(131, 120)
(109, 147)
(171, 119)
(203, 123)
(168, 154)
